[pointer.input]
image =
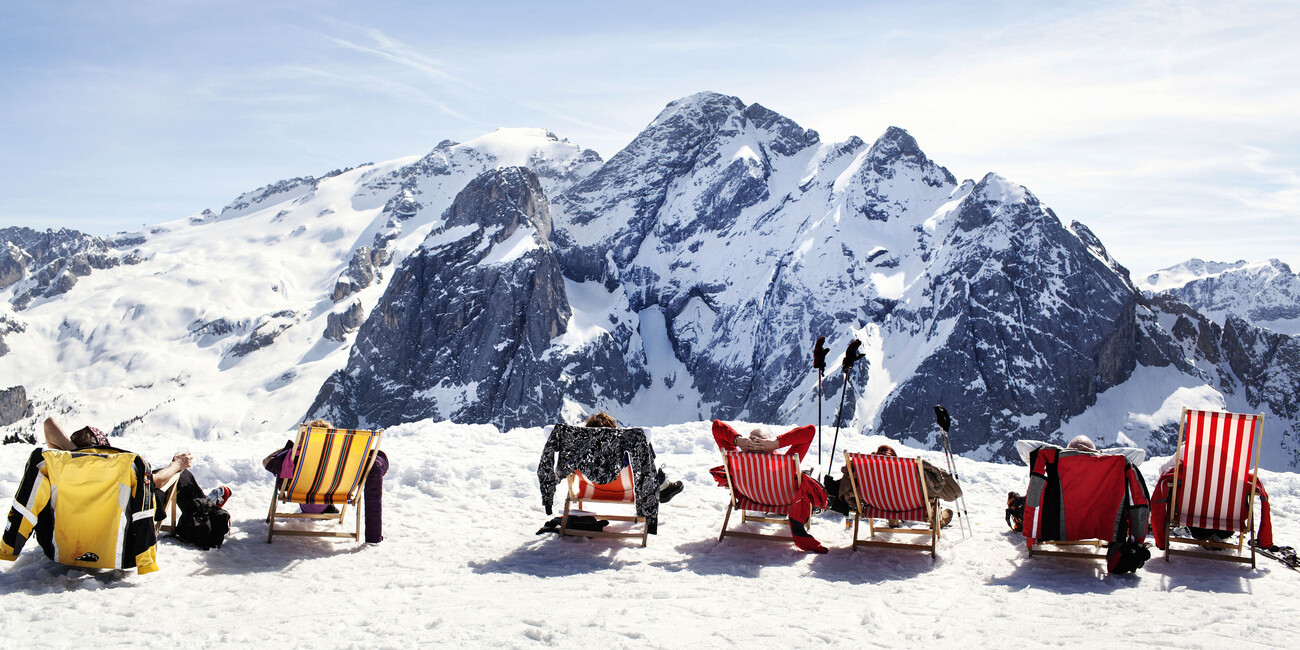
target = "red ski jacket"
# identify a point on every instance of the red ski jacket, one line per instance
(1076, 495)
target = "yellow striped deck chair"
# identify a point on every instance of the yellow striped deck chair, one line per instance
(329, 468)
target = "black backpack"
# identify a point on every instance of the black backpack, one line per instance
(201, 523)
(1016, 511)
(204, 526)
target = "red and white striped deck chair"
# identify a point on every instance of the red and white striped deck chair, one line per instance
(1214, 485)
(620, 490)
(892, 488)
(763, 483)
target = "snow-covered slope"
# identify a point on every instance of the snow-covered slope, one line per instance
(216, 323)
(461, 566)
(1265, 293)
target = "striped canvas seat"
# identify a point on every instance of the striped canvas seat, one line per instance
(619, 489)
(766, 482)
(891, 488)
(761, 483)
(329, 468)
(1218, 456)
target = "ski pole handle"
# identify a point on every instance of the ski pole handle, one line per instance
(819, 353)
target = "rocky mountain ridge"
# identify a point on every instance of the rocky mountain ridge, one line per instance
(518, 279)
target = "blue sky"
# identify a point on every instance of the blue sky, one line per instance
(1172, 129)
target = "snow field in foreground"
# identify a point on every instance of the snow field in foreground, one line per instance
(461, 565)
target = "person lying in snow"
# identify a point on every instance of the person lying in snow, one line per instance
(56, 438)
(811, 493)
(938, 484)
(667, 490)
(374, 490)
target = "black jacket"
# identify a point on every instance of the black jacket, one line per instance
(598, 453)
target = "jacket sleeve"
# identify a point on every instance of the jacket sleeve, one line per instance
(32, 496)
(798, 439)
(724, 435)
(1034, 495)
(546, 477)
(1139, 504)
(1265, 532)
(940, 484)
(1159, 508)
(142, 542)
(642, 456)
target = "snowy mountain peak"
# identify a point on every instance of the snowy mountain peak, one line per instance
(1266, 293)
(502, 199)
(701, 107)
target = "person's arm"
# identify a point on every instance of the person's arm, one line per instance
(797, 439)
(180, 462)
(724, 435)
(55, 437)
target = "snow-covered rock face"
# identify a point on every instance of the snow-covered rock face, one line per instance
(473, 313)
(47, 264)
(1265, 293)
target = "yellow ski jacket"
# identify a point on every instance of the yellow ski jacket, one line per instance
(92, 507)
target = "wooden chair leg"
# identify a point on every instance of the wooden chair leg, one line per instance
(856, 520)
(270, 517)
(934, 533)
(357, 508)
(725, 519)
(564, 519)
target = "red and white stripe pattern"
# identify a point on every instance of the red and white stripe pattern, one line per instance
(763, 481)
(619, 489)
(1217, 458)
(889, 487)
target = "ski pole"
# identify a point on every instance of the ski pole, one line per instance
(851, 356)
(819, 363)
(963, 518)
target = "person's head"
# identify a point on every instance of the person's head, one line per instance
(88, 437)
(757, 434)
(601, 419)
(885, 450)
(324, 424)
(1081, 443)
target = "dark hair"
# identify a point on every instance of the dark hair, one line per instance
(601, 419)
(886, 450)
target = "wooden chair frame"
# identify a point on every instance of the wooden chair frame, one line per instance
(159, 526)
(281, 495)
(745, 517)
(1171, 515)
(1099, 554)
(931, 514)
(572, 497)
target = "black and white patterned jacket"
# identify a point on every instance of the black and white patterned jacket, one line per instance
(598, 453)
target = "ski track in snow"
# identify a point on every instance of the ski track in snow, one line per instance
(461, 565)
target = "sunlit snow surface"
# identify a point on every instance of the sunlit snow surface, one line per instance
(461, 567)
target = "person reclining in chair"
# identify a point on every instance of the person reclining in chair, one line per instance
(56, 438)
(811, 493)
(667, 490)
(938, 484)
(373, 492)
